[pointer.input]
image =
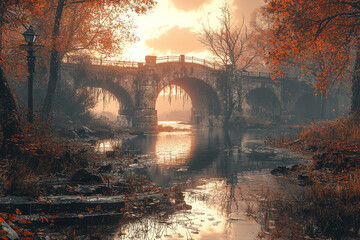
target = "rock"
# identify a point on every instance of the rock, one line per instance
(122, 187)
(103, 190)
(11, 234)
(280, 171)
(92, 142)
(67, 133)
(84, 191)
(104, 133)
(85, 132)
(137, 133)
(60, 175)
(83, 176)
(304, 177)
(60, 190)
(105, 169)
(110, 154)
(313, 148)
(296, 167)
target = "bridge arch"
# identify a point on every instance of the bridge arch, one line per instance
(307, 106)
(126, 106)
(206, 107)
(263, 103)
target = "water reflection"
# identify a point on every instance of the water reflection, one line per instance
(222, 174)
(173, 148)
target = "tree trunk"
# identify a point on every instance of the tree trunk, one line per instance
(8, 113)
(355, 99)
(230, 79)
(8, 117)
(54, 62)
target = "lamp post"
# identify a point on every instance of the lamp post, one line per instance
(30, 38)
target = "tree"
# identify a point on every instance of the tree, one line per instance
(97, 30)
(322, 31)
(12, 15)
(232, 45)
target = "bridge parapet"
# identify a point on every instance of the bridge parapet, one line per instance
(153, 60)
(148, 60)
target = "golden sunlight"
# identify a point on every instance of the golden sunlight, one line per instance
(173, 148)
(173, 104)
(107, 106)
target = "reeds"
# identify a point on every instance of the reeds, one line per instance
(340, 129)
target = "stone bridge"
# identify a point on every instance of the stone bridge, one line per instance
(137, 86)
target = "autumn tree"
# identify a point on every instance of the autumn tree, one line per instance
(13, 15)
(93, 25)
(322, 32)
(234, 47)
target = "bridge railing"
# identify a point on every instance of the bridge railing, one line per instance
(254, 74)
(161, 59)
(188, 59)
(101, 61)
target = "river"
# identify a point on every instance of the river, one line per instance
(223, 175)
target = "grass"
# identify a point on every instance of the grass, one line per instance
(330, 206)
(339, 130)
(41, 153)
(320, 211)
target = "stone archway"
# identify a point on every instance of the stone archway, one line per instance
(262, 103)
(126, 106)
(206, 107)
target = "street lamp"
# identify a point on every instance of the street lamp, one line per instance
(30, 38)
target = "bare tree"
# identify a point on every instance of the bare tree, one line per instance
(228, 42)
(232, 45)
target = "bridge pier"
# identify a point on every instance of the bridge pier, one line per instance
(145, 118)
(125, 118)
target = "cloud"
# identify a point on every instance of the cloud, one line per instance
(176, 40)
(245, 8)
(188, 5)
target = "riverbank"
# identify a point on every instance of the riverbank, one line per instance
(61, 189)
(327, 204)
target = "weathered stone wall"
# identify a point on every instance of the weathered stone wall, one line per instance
(137, 88)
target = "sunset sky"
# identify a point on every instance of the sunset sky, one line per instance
(172, 28)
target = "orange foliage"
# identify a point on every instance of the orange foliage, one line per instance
(320, 32)
(19, 229)
(96, 25)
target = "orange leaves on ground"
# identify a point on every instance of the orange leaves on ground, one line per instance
(98, 208)
(89, 210)
(12, 217)
(24, 221)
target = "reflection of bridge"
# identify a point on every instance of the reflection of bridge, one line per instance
(137, 84)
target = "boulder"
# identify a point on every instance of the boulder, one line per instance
(105, 169)
(11, 234)
(280, 171)
(104, 133)
(85, 132)
(137, 133)
(83, 176)
(110, 154)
